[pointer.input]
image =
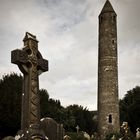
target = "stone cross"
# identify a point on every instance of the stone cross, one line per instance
(31, 64)
(77, 128)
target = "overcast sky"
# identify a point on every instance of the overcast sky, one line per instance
(67, 31)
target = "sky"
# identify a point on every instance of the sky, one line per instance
(67, 31)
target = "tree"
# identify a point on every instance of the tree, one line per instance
(77, 115)
(10, 103)
(44, 98)
(10, 108)
(130, 108)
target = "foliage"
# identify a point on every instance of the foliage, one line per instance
(10, 103)
(130, 108)
(77, 115)
(44, 97)
(10, 108)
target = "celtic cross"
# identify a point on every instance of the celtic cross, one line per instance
(31, 64)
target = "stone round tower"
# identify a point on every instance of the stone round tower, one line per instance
(108, 104)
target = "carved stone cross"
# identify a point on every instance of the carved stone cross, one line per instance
(31, 64)
(77, 128)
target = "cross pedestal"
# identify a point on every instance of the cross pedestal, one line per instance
(31, 64)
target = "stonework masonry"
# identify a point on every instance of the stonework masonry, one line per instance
(108, 104)
(31, 64)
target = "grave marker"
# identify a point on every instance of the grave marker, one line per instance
(31, 64)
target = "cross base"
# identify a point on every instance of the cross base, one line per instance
(32, 133)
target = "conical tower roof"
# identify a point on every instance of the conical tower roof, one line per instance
(107, 8)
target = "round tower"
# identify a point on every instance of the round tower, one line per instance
(108, 104)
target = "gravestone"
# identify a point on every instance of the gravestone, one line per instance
(125, 132)
(86, 136)
(66, 137)
(52, 129)
(138, 133)
(31, 64)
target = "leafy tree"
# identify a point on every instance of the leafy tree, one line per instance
(10, 108)
(10, 103)
(77, 115)
(130, 108)
(44, 98)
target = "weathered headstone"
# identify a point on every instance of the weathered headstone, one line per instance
(86, 136)
(138, 133)
(52, 129)
(31, 64)
(125, 131)
(66, 137)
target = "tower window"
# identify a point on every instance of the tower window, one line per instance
(113, 41)
(101, 19)
(114, 18)
(110, 118)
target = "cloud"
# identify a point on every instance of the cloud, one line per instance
(68, 37)
(128, 44)
(65, 14)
